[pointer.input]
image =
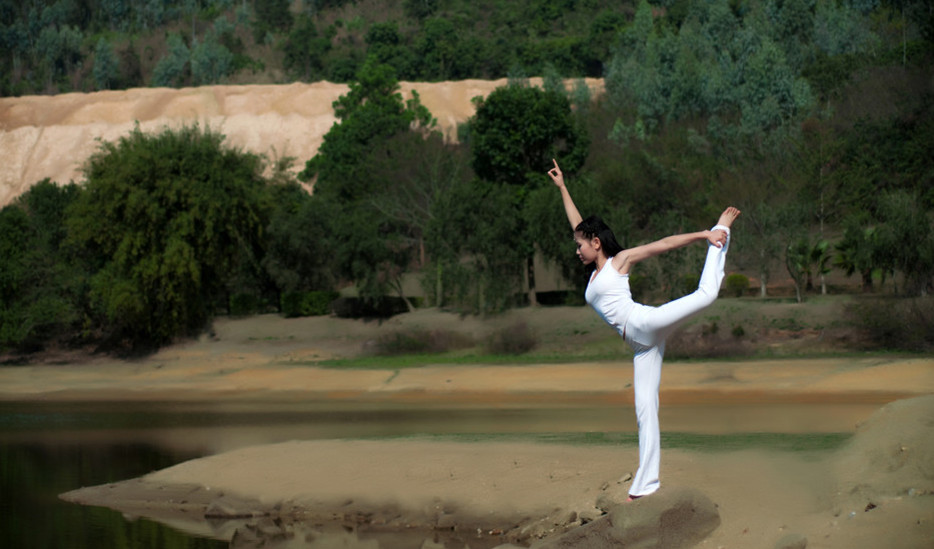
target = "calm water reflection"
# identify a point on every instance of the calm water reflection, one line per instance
(50, 448)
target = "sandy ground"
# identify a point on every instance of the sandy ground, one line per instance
(877, 491)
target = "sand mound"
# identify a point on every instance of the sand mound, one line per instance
(52, 136)
(890, 456)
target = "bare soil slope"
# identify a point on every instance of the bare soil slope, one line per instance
(52, 136)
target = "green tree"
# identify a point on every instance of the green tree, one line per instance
(841, 29)
(907, 233)
(60, 50)
(211, 61)
(172, 213)
(791, 24)
(173, 69)
(420, 9)
(106, 68)
(40, 285)
(714, 65)
(305, 49)
(372, 110)
(370, 248)
(299, 246)
(271, 16)
(150, 13)
(514, 136)
(519, 129)
(424, 171)
(386, 46)
(804, 259)
(857, 250)
(476, 240)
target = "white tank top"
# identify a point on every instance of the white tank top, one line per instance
(608, 293)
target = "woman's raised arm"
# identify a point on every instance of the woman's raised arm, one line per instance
(574, 217)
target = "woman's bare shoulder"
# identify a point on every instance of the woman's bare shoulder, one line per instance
(621, 261)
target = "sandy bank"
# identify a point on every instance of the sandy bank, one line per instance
(878, 491)
(862, 495)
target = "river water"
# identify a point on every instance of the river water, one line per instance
(48, 448)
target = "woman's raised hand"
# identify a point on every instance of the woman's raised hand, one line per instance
(556, 175)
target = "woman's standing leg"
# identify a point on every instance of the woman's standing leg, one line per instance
(646, 331)
(647, 376)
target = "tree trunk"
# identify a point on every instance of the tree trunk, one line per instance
(439, 290)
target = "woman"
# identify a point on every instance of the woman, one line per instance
(644, 328)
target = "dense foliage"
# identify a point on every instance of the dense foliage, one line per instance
(815, 118)
(169, 219)
(49, 46)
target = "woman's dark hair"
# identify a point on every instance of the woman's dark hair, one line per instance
(592, 227)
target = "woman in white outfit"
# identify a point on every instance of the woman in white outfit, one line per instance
(644, 328)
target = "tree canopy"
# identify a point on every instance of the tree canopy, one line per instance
(814, 118)
(169, 215)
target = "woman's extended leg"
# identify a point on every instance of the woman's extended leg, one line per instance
(656, 323)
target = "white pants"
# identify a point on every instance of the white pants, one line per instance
(646, 331)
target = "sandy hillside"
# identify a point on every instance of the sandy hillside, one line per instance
(51, 136)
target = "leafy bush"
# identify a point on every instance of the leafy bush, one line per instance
(314, 303)
(512, 340)
(898, 324)
(420, 341)
(687, 284)
(244, 304)
(707, 343)
(736, 284)
(381, 307)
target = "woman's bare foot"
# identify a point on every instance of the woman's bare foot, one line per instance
(728, 216)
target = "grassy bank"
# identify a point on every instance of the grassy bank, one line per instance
(733, 328)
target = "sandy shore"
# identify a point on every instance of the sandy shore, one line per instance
(877, 491)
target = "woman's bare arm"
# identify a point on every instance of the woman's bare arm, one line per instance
(574, 217)
(624, 260)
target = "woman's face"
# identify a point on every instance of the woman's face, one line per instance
(587, 248)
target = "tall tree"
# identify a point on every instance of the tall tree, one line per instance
(172, 213)
(106, 68)
(516, 132)
(305, 49)
(173, 69)
(424, 171)
(41, 285)
(372, 250)
(907, 233)
(211, 61)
